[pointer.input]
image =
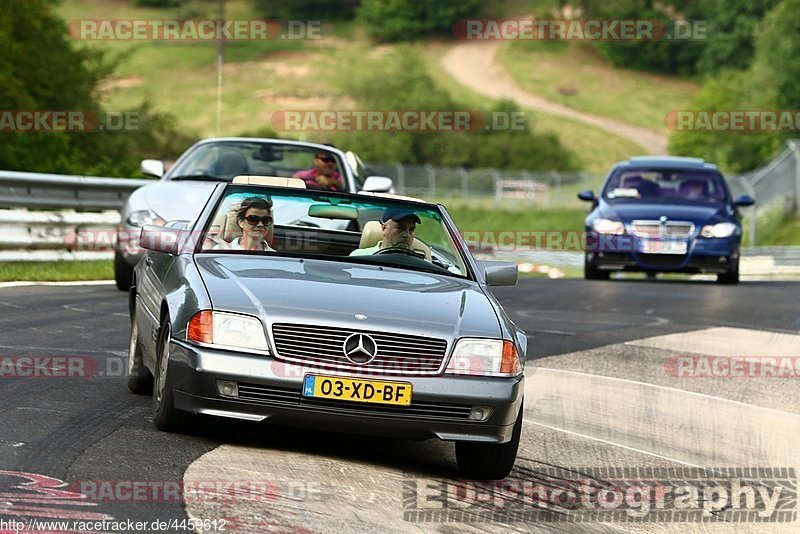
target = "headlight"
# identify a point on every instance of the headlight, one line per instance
(142, 217)
(227, 330)
(484, 357)
(607, 226)
(720, 230)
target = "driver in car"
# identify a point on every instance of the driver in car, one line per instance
(398, 228)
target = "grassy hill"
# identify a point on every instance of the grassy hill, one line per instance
(263, 77)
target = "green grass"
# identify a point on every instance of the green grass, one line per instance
(596, 150)
(56, 271)
(573, 74)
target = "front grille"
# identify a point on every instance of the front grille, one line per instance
(397, 354)
(290, 397)
(657, 229)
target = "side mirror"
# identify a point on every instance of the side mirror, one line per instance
(500, 273)
(152, 167)
(587, 195)
(378, 184)
(161, 239)
(744, 200)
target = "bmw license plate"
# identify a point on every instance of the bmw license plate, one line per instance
(653, 246)
(352, 389)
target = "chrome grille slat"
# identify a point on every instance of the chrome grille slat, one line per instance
(396, 354)
(655, 229)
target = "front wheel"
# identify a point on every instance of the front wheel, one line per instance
(123, 273)
(731, 276)
(489, 461)
(165, 416)
(590, 272)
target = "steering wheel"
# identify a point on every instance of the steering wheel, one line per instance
(400, 250)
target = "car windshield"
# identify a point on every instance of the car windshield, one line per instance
(362, 229)
(225, 160)
(666, 185)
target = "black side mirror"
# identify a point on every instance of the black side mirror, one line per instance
(587, 195)
(744, 200)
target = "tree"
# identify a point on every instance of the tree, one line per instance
(307, 9)
(406, 20)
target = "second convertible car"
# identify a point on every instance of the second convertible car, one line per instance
(664, 214)
(387, 330)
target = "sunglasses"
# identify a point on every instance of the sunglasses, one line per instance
(253, 220)
(326, 159)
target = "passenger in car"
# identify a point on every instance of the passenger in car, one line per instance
(324, 174)
(254, 217)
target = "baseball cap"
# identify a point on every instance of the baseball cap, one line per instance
(399, 214)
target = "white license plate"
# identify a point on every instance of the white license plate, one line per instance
(650, 246)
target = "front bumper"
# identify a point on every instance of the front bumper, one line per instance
(270, 390)
(703, 256)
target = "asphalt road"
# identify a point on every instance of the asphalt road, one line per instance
(603, 391)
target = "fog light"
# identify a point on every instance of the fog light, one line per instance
(723, 259)
(226, 388)
(480, 413)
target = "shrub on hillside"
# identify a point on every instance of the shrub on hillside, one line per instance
(406, 20)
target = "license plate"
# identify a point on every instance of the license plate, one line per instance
(650, 246)
(355, 390)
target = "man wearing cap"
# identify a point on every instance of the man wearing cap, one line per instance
(324, 174)
(398, 227)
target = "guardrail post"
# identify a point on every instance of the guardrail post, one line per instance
(401, 178)
(431, 182)
(796, 147)
(464, 182)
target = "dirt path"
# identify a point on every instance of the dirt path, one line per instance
(474, 64)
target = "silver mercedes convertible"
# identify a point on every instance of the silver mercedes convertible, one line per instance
(386, 327)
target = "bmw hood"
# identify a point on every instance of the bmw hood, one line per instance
(698, 214)
(331, 293)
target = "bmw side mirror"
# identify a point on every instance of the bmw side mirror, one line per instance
(587, 195)
(744, 200)
(161, 239)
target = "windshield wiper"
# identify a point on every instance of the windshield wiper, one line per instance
(201, 177)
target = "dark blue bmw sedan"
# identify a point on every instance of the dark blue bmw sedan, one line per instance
(664, 214)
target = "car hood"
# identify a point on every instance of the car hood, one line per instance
(332, 293)
(696, 213)
(173, 201)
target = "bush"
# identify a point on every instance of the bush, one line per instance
(406, 20)
(306, 9)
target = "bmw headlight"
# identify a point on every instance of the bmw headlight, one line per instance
(484, 357)
(719, 230)
(607, 226)
(227, 330)
(141, 217)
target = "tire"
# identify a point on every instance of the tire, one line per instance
(731, 276)
(140, 381)
(489, 461)
(123, 273)
(591, 273)
(165, 416)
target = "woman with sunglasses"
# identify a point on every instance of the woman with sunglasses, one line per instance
(255, 219)
(324, 174)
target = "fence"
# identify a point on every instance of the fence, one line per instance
(83, 203)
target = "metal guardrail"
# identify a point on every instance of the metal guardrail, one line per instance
(86, 207)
